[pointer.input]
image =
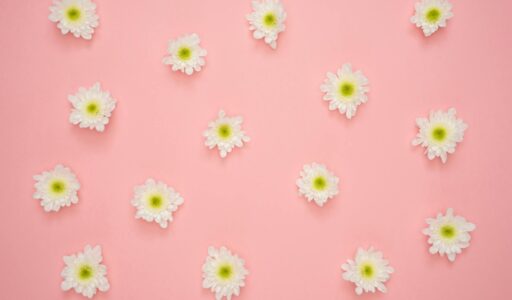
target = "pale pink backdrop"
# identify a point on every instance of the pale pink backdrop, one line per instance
(248, 202)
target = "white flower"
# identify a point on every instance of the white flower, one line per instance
(317, 183)
(155, 201)
(56, 188)
(225, 133)
(448, 234)
(267, 20)
(85, 273)
(432, 14)
(345, 90)
(76, 16)
(185, 54)
(368, 272)
(92, 108)
(440, 133)
(223, 273)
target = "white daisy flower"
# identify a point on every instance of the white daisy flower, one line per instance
(432, 14)
(368, 272)
(345, 90)
(223, 273)
(440, 133)
(76, 16)
(185, 54)
(267, 20)
(448, 234)
(317, 183)
(92, 108)
(56, 188)
(225, 133)
(84, 272)
(155, 202)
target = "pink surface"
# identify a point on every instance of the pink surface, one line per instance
(248, 202)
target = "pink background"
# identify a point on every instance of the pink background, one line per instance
(248, 202)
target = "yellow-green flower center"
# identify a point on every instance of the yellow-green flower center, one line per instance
(270, 20)
(184, 53)
(156, 201)
(320, 183)
(225, 271)
(367, 271)
(347, 89)
(224, 131)
(92, 108)
(58, 187)
(433, 15)
(73, 13)
(448, 231)
(439, 133)
(85, 272)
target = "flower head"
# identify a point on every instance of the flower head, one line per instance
(92, 108)
(56, 188)
(345, 90)
(223, 273)
(225, 133)
(76, 16)
(448, 234)
(267, 20)
(84, 272)
(185, 54)
(155, 202)
(369, 271)
(317, 183)
(440, 133)
(432, 14)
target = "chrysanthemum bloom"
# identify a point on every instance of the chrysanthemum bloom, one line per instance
(448, 234)
(267, 21)
(432, 14)
(223, 273)
(185, 54)
(225, 133)
(84, 272)
(369, 271)
(155, 202)
(92, 108)
(440, 133)
(345, 90)
(317, 183)
(56, 188)
(75, 16)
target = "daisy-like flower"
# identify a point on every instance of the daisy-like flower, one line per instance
(223, 273)
(432, 14)
(76, 16)
(92, 108)
(317, 183)
(369, 271)
(225, 133)
(185, 54)
(267, 20)
(155, 202)
(440, 133)
(84, 272)
(448, 234)
(345, 90)
(56, 188)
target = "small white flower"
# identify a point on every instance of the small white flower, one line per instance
(156, 201)
(223, 273)
(345, 90)
(56, 188)
(84, 272)
(225, 133)
(440, 133)
(267, 20)
(185, 54)
(432, 14)
(92, 108)
(76, 16)
(448, 234)
(368, 272)
(317, 183)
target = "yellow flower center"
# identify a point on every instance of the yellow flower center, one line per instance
(225, 271)
(448, 231)
(73, 13)
(270, 20)
(224, 131)
(58, 187)
(92, 108)
(347, 89)
(184, 53)
(433, 15)
(439, 133)
(85, 272)
(367, 271)
(156, 201)
(320, 183)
